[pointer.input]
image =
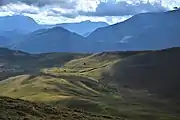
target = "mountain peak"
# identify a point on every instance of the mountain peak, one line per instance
(18, 22)
(89, 21)
(19, 18)
(83, 27)
(86, 21)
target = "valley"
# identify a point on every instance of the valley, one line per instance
(89, 82)
(89, 70)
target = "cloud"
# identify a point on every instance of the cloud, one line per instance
(121, 8)
(56, 11)
(41, 19)
(48, 10)
(68, 4)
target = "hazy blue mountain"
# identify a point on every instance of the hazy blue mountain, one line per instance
(55, 39)
(145, 31)
(140, 32)
(19, 23)
(4, 41)
(83, 27)
(13, 35)
(14, 28)
(27, 24)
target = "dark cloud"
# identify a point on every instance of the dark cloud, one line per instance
(69, 15)
(110, 8)
(26, 12)
(68, 4)
(123, 8)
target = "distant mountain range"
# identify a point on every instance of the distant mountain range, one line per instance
(25, 24)
(18, 30)
(83, 28)
(146, 31)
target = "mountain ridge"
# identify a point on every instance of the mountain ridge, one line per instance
(145, 31)
(83, 27)
(52, 40)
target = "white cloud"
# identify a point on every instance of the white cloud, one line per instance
(121, 8)
(52, 20)
(87, 5)
(58, 11)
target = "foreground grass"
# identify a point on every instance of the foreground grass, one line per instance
(15, 109)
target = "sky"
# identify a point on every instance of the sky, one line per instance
(67, 11)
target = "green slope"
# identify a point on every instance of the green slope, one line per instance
(94, 83)
(88, 95)
(156, 71)
(14, 63)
